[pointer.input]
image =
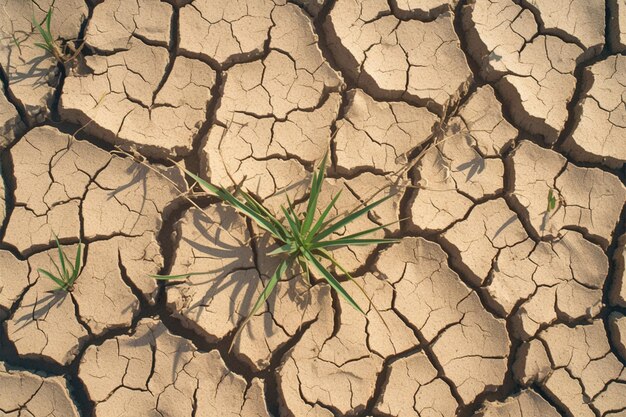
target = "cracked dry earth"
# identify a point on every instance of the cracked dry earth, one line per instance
(469, 112)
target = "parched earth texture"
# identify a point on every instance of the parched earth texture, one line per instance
(472, 114)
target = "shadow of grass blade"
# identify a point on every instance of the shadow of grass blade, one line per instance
(269, 288)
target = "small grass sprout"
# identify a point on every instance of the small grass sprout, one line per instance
(302, 238)
(62, 54)
(67, 272)
(551, 201)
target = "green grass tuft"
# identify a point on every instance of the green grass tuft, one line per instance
(302, 238)
(67, 272)
(62, 54)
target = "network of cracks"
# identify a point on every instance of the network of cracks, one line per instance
(497, 126)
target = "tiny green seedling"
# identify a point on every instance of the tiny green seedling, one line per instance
(17, 42)
(68, 272)
(551, 201)
(50, 44)
(303, 239)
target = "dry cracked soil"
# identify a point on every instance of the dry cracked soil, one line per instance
(498, 126)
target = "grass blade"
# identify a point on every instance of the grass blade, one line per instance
(286, 248)
(330, 279)
(232, 200)
(291, 222)
(204, 184)
(368, 231)
(316, 188)
(46, 36)
(61, 257)
(179, 276)
(44, 46)
(549, 199)
(320, 222)
(294, 215)
(55, 265)
(325, 254)
(348, 219)
(295, 230)
(48, 20)
(279, 272)
(251, 201)
(269, 216)
(62, 285)
(17, 43)
(328, 256)
(305, 267)
(76, 266)
(355, 242)
(69, 262)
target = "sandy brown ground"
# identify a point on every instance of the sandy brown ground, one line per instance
(470, 112)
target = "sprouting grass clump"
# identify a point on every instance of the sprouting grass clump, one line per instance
(303, 239)
(62, 54)
(67, 272)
